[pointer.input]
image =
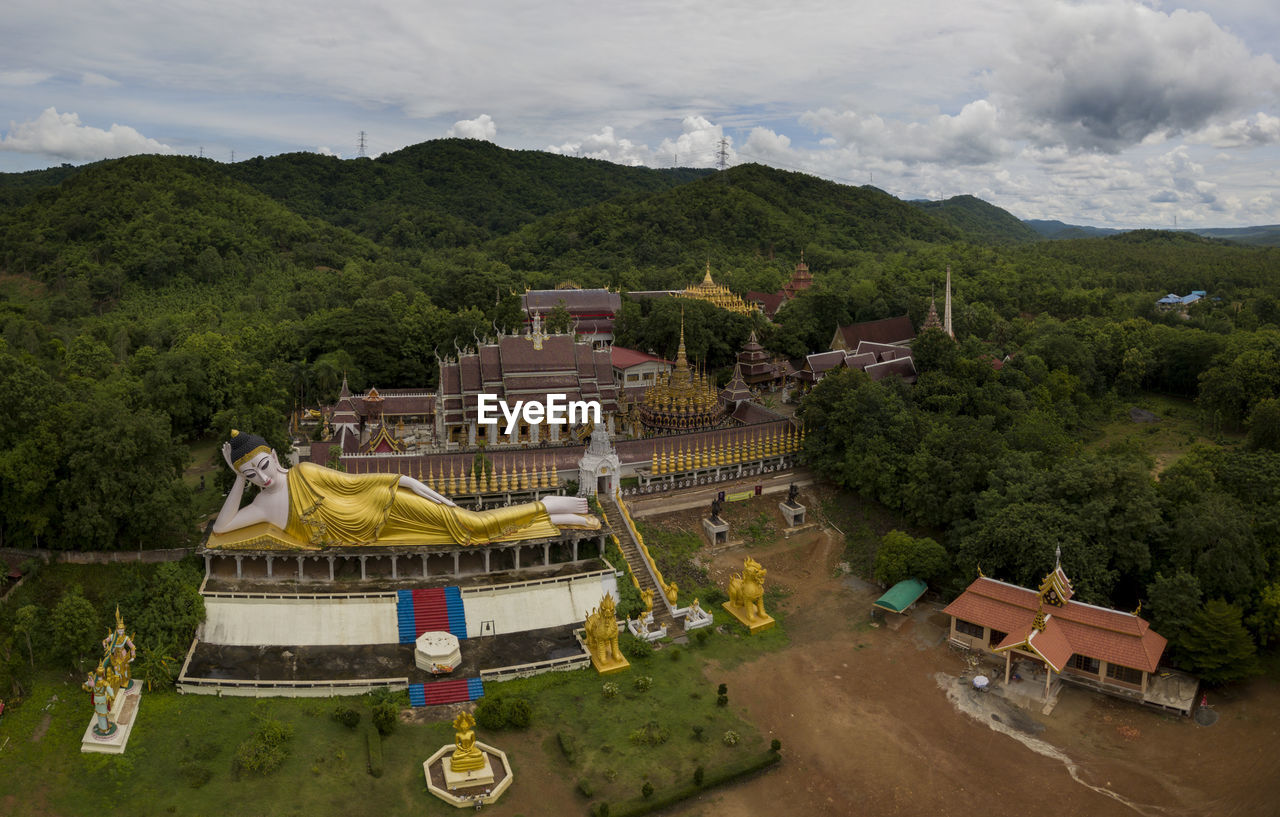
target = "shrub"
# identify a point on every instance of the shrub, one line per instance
(697, 731)
(674, 653)
(642, 683)
(519, 713)
(609, 689)
(722, 700)
(585, 788)
(385, 717)
(698, 775)
(569, 746)
(731, 738)
(634, 648)
(195, 774)
(600, 809)
(265, 751)
(715, 597)
(723, 689)
(651, 734)
(499, 712)
(701, 635)
(346, 715)
(646, 791)
(373, 739)
(775, 746)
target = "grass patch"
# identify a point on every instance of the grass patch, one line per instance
(1163, 442)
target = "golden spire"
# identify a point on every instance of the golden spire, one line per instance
(471, 479)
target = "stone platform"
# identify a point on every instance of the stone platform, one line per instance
(125, 711)
(472, 795)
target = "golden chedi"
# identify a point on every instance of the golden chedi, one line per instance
(683, 400)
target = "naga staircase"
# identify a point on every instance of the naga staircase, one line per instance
(636, 562)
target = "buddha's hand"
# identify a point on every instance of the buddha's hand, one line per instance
(226, 455)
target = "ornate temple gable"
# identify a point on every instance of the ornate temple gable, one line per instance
(382, 442)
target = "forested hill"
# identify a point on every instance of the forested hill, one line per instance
(745, 212)
(153, 218)
(980, 220)
(447, 192)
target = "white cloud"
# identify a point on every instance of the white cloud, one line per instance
(24, 76)
(1261, 129)
(974, 136)
(698, 145)
(92, 79)
(324, 151)
(65, 137)
(607, 146)
(482, 127)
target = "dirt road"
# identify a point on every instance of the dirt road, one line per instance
(867, 728)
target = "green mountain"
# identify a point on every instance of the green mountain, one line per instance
(745, 212)
(1061, 230)
(448, 192)
(1262, 236)
(980, 220)
(154, 218)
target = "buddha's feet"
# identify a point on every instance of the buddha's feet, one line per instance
(565, 505)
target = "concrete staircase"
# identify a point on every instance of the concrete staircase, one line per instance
(636, 562)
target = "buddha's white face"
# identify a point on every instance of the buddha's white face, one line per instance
(263, 470)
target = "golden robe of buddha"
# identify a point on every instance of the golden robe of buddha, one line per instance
(329, 508)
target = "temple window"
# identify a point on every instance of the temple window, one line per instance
(969, 628)
(1123, 674)
(1084, 663)
(997, 637)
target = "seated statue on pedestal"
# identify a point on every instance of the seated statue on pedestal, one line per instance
(466, 757)
(316, 506)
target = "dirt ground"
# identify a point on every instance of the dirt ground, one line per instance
(866, 726)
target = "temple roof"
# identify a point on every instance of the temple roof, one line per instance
(1083, 629)
(888, 330)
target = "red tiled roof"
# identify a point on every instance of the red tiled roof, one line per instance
(623, 358)
(1096, 632)
(888, 330)
(769, 301)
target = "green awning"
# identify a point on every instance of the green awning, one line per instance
(902, 595)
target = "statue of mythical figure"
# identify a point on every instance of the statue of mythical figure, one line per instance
(322, 507)
(717, 505)
(601, 629)
(102, 695)
(746, 590)
(467, 756)
(792, 493)
(118, 650)
(646, 596)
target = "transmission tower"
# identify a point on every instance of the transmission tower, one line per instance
(722, 154)
(360, 146)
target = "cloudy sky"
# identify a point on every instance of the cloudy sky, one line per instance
(1112, 112)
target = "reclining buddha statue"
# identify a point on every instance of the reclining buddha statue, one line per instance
(309, 506)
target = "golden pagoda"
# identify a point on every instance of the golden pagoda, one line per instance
(681, 400)
(717, 295)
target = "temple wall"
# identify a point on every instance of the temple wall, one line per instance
(533, 606)
(303, 621)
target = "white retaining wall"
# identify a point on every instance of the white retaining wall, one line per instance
(532, 606)
(301, 621)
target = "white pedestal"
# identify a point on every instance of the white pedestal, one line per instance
(126, 713)
(437, 652)
(476, 777)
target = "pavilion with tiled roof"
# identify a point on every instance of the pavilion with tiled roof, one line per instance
(1104, 649)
